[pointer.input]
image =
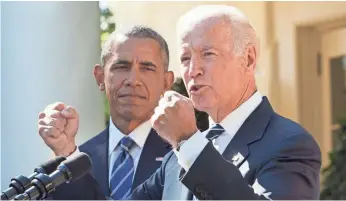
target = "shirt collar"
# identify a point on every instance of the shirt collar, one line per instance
(138, 135)
(233, 121)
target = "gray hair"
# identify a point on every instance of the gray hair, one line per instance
(243, 32)
(137, 32)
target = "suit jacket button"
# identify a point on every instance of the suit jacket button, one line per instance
(199, 189)
(204, 195)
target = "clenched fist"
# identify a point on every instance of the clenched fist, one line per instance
(174, 118)
(58, 126)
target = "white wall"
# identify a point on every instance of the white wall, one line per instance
(287, 16)
(48, 51)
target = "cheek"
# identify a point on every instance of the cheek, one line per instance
(154, 86)
(114, 82)
(186, 77)
(222, 80)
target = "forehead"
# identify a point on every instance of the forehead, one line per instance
(211, 32)
(137, 47)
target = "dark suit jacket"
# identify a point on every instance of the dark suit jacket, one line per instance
(270, 157)
(96, 184)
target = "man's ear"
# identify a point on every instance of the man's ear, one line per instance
(250, 60)
(169, 79)
(99, 76)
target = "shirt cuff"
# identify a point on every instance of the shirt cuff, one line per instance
(190, 150)
(74, 154)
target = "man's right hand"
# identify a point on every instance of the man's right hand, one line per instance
(58, 126)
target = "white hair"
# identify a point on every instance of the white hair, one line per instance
(243, 33)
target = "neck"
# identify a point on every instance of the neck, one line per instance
(222, 111)
(126, 126)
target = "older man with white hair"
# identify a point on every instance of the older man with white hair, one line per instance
(249, 151)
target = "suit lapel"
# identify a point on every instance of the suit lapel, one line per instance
(99, 157)
(251, 131)
(185, 193)
(150, 160)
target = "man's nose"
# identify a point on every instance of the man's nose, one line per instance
(195, 68)
(133, 78)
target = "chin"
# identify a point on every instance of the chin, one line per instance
(129, 114)
(202, 104)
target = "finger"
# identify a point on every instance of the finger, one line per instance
(53, 114)
(69, 113)
(58, 123)
(47, 121)
(48, 132)
(172, 95)
(169, 93)
(56, 106)
(179, 96)
(158, 121)
(160, 110)
(41, 115)
(162, 101)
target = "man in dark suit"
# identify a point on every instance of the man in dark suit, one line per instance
(249, 151)
(134, 74)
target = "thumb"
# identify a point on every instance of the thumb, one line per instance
(72, 121)
(69, 113)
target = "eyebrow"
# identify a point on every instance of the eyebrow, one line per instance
(122, 62)
(147, 63)
(207, 47)
(126, 62)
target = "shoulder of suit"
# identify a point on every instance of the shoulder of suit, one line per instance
(284, 131)
(97, 139)
(285, 125)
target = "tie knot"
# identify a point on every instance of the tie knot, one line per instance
(215, 131)
(126, 143)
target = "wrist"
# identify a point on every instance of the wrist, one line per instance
(67, 151)
(178, 142)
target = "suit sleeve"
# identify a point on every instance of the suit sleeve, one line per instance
(152, 188)
(293, 173)
(86, 188)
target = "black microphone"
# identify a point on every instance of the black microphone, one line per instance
(21, 183)
(68, 171)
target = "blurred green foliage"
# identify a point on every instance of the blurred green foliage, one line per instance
(107, 26)
(334, 183)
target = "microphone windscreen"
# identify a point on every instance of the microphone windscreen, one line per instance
(50, 166)
(78, 165)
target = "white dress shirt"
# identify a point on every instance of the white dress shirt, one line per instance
(139, 136)
(190, 150)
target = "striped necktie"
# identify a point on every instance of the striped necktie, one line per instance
(215, 131)
(122, 172)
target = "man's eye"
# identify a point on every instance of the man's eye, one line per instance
(149, 68)
(208, 53)
(120, 67)
(183, 59)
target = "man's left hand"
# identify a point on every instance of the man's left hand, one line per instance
(174, 118)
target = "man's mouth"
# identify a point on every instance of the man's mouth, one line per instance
(196, 88)
(132, 96)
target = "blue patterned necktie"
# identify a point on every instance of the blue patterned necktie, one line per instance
(214, 131)
(123, 170)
